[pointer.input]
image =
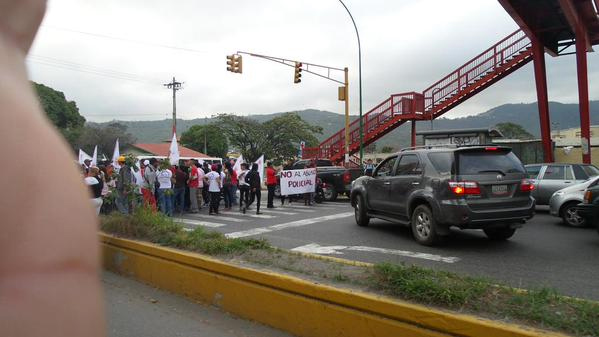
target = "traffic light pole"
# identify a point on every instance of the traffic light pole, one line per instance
(346, 98)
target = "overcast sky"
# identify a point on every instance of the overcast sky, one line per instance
(112, 56)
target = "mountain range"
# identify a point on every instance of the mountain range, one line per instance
(562, 116)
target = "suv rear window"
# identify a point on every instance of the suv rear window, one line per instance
(442, 161)
(489, 162)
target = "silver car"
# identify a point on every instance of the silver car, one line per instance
(549, 178)
(563, 202)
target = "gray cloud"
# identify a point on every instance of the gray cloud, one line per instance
(407, 45)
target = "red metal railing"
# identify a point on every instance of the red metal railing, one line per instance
(475, 75)
(474, 70)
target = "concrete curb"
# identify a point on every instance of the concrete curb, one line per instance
(300, 307)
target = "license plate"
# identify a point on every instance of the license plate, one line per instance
(499, 189)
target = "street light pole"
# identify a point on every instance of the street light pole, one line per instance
(360, 84)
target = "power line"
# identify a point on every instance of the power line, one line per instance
(57, 63)
(152, 44)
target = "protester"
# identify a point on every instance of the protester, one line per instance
(309, 197)
(271, 184)
(205, 194)
(253, 179)
(94, 181)
(244, 189)
(124, 186)
(196, 184)
(165, 201)
(214, 182)
(179, 191)
(229, 180)
(149, 184)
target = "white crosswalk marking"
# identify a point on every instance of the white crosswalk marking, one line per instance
(199, 223)
(213, 217)
(269, 211)
(299, 223)
(259, 216)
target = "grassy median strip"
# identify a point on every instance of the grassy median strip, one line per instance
(541, 308)
(158, 228)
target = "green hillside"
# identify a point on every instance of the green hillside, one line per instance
(562, 116)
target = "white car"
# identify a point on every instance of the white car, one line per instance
(563, 202)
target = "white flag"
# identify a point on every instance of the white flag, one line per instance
(116, 154)
(174, 151)
(95, 157)
(260, 163)
(237, 166)
(83, 156)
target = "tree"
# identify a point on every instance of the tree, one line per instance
(387, 149)
(62, 113)
(278, 139)
(513, 131)
(216, 141)
(105, 137)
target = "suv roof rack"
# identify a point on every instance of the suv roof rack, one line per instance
(448, 145)
(427, 147)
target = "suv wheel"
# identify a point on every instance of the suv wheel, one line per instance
(501, 233)
(360, 211)
(423, 226)
(571, 217)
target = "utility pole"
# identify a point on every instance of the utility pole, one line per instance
(205, 131)
(346, 99)
(175, 86)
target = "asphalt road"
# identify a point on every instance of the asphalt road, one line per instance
(543, 253)
(137, 310)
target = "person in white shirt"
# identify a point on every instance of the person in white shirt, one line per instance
(165, 191)
(214, 179)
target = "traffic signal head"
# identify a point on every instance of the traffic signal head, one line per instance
(298, 72)
(234, 63)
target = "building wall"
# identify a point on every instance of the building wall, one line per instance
(575, 155)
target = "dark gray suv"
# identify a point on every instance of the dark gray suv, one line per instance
(434, 188)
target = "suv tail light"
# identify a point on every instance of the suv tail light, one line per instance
(346, 178)
(464, 187)
(588, 197)
(527, 185)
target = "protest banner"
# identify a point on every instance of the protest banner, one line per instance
(298, 181)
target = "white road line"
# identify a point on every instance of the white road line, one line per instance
(199, 223)
(315, 248)
(247, 214)
(212, 217)
(298, 223)
(297, 209)
(276, 212)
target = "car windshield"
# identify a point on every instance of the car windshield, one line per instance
(590, 170)
(489, 162)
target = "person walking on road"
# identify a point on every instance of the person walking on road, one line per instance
(149, 183)
(230, 176)
(271, 184)
(214, 181)
(165, 200)
(180, 180)
(124, 186)
(253, 179)
(244, 189)
(96, 184)
(196, 184)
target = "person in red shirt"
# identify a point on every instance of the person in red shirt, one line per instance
(271, 184)
(195, 183)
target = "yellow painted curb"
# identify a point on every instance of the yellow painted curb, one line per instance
(291, 304)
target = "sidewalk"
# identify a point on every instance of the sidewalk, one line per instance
(134, 309)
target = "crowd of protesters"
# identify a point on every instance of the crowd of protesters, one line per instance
(178, 189)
